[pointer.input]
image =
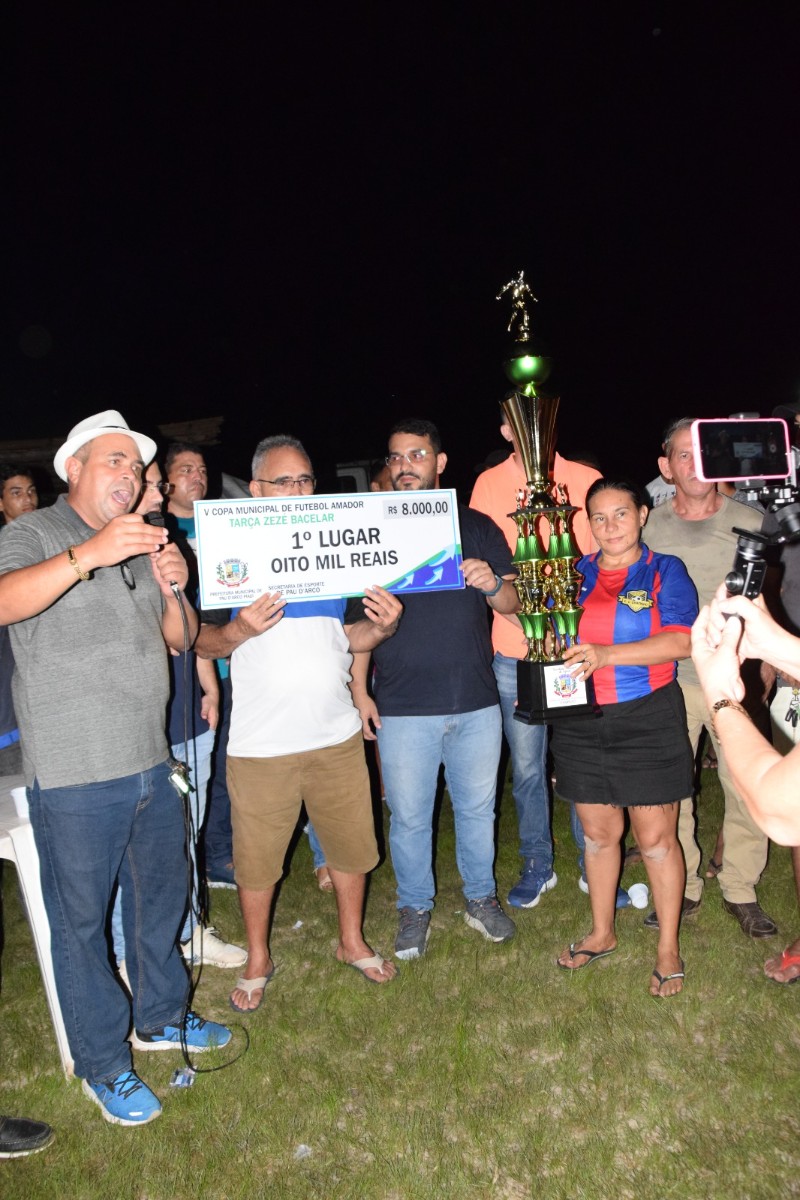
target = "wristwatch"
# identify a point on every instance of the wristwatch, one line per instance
(499, 583)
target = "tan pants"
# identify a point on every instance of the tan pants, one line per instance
(745, 852)
(266, 798)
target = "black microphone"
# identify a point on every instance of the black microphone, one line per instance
(157, 519)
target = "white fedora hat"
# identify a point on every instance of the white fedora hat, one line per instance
(109, 421)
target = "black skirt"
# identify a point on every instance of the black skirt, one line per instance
(635, 753)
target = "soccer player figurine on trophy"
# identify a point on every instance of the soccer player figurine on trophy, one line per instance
(548, 584)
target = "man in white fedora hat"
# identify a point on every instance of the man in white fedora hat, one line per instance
(92, 592)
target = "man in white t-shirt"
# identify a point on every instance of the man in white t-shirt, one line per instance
(296, 739)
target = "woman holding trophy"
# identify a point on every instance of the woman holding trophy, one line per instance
(639, 607)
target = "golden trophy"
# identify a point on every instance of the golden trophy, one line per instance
(548, 584)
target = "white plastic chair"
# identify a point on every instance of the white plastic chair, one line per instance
(17, 845)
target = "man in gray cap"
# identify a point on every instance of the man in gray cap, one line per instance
(92, 592)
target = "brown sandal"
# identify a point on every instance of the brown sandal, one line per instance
(324, 881)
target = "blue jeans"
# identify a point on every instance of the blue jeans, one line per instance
(219, 835)
(198, 759)
(316, 849)
(88, 836)
(528, 746)
(412, 749)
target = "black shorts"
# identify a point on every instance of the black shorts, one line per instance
(635, 753)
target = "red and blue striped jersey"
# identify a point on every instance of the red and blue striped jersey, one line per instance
(652, 595)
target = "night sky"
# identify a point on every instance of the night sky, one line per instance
(300, 219)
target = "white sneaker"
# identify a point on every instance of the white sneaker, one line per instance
(208, 948)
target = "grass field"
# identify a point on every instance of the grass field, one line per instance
(483, 1072)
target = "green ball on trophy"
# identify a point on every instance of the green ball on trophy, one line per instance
(527, 372)
(524, 367)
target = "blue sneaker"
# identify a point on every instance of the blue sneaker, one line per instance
(532, 886)
(124, 1100)
(199, 1034)
(623, 899)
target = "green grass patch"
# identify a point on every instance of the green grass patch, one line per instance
(483, 1072)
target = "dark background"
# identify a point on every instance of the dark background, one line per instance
(300, 218)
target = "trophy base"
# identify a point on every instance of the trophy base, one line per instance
(546, 692)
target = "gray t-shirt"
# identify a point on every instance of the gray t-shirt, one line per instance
(707, 548)
(91, 680)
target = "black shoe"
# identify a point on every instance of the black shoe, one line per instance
(752, 918)
(19, 1136)
(688, 909)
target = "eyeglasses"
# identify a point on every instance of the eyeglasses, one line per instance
(413, 456)
(286, 483)
(162, 488)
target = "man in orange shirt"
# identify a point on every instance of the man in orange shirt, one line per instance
(495, 493)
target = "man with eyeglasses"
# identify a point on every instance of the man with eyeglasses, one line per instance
(90, 690)
(187, 481)
(191, 717)
(296, 738)
(438, 703)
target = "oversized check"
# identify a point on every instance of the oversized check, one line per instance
(318, 547)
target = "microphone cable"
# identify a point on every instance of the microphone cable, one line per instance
(191, 836)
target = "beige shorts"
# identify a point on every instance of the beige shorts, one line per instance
(266, 798)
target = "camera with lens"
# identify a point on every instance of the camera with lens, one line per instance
(755, 455)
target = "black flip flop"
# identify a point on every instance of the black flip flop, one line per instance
(591, 955)
(662, 979)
